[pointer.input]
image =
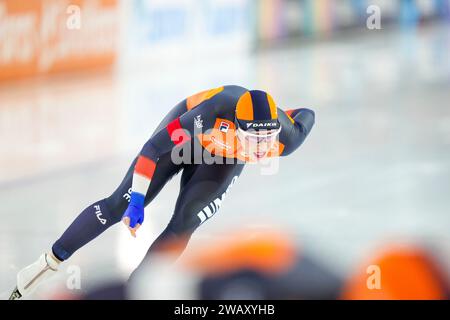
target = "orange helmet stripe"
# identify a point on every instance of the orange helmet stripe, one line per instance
(273, 107)
(244, 107)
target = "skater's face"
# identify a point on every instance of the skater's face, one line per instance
(257, 143)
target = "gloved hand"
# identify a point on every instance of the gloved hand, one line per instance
(134, 215)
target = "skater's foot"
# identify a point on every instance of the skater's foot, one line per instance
(15, 295)
(33, 275)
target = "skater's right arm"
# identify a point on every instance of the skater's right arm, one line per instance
(296, 125)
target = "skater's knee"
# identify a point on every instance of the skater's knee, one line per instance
(190, 216)
(171, 240)
(177, 232)
(183, 225)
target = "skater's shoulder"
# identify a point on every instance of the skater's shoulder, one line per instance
(221, 99)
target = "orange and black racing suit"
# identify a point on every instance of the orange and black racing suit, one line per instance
(204, 122)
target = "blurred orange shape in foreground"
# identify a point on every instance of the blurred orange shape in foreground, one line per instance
(406, 272)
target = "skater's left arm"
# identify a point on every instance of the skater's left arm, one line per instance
(176, 133)
(296, 125)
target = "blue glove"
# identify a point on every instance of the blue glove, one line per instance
(135, 210)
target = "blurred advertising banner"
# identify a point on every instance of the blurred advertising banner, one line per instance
(59, 123)
(285, 19)
(182, 30)
(44, 36)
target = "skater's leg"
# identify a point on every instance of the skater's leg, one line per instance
(89, 224)
(203, 188)
(101, 215)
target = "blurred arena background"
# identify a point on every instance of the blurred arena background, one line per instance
(84, 83)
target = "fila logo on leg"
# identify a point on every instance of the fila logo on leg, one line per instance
(98, 213)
